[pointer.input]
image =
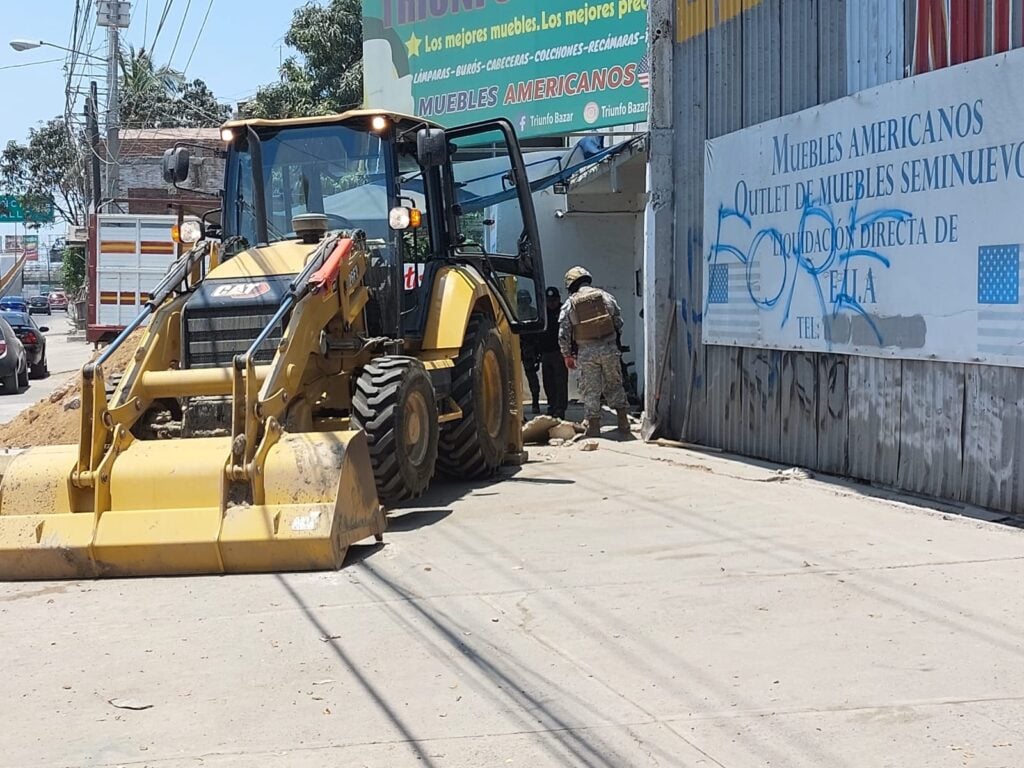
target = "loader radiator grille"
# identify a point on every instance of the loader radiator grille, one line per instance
(213, 340)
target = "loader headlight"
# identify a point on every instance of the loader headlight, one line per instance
(402, 218)
(399, 218)
(227, 135)
(188, 232)
(191, 231)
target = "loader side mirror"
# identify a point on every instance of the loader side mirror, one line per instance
(176, 165)
(431, 147)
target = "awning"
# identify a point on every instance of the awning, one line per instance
(624, 170)
(486, 181)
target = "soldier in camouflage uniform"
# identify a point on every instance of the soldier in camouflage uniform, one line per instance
(588, 324)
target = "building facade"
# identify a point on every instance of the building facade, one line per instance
(941, 424)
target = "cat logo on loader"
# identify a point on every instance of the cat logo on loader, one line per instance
(241, 290)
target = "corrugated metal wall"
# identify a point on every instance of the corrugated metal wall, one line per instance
(946, 430)
(875, 38)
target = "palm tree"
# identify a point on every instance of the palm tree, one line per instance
(145, 88)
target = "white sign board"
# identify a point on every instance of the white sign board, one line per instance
(889, 223)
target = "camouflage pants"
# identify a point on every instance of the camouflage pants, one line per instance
(600, 374)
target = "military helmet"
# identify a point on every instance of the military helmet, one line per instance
(574, 275)
(524, 295)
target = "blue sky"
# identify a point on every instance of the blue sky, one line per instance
(239, 50)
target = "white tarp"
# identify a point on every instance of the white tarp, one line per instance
(888, 223)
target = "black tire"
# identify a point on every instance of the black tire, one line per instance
(23, 378)
(40, 371)
(474, 446)
(394, 404)
(10, 384)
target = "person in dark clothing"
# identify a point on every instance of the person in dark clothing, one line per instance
(528, 349)
(553, 370)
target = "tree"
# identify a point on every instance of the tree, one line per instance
(160, 97)
(48, 167)
(327, 75)
(145, 88)
(197, 107)
(72, 270)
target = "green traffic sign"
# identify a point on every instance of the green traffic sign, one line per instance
(12, 211)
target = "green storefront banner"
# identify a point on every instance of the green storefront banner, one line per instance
(549, 66)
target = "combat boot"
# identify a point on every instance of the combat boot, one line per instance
(623, 425)
(593, 427)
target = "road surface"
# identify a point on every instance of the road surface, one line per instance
(631, 606)
(65, 358)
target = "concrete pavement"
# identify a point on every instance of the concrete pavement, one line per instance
(633, 606)
(65, 358)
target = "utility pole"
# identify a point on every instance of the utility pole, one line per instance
(115, 15)
(92, 130)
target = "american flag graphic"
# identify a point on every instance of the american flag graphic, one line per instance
(1000, 313)
(643, 71)
(730, 316)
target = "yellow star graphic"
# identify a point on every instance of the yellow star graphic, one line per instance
(413, 45)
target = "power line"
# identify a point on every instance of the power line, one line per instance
(30, 64)
(74, 24)
(80, 47)
(160, 26)
(199, 36)
(181, 28)
(73, 86)
(71, 57)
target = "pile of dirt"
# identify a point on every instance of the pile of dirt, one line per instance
(56, 420)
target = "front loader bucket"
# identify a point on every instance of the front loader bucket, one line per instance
(166, 515)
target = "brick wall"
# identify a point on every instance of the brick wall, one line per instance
(141, 176)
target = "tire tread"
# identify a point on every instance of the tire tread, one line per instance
(460, 453)
(375, 405)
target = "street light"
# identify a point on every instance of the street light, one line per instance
(29, 45)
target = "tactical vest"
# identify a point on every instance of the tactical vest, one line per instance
(593, 320)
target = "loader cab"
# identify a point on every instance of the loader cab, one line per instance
(466, 192)
(480, 211)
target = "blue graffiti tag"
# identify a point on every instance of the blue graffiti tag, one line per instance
(795, 262)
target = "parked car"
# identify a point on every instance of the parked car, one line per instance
(58, 300)
(13, 361)
(39, 305)
(32, 339)
(13, 303)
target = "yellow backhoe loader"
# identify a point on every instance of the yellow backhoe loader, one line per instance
(344, 324)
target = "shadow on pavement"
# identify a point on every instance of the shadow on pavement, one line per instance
(357, 553)
(355, 669)
(561, 738)
(416, 519)
(541, 480)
